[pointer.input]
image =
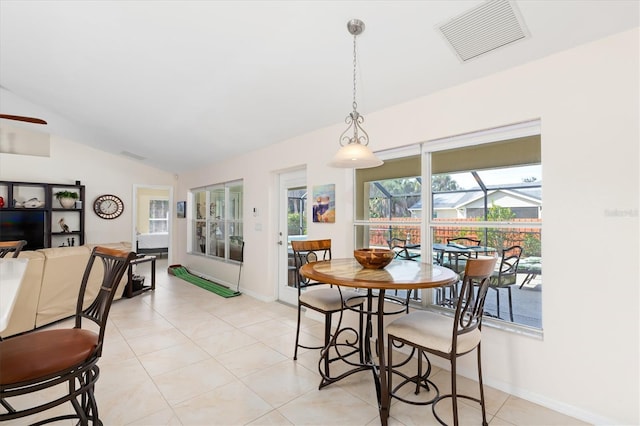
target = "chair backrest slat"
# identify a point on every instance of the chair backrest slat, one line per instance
(308, 252)
(115, 263)
(7, 247)
(466, 241)
(510, 259)
(470, 304)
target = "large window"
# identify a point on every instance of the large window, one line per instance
(485, 188)
(216, 223)
(158, 216)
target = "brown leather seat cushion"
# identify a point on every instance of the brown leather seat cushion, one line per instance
(42, 353)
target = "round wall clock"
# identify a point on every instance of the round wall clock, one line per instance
(108, 206)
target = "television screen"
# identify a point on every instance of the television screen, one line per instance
(26, 225)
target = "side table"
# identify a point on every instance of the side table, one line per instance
(129, 292)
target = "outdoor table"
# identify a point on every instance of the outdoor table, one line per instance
(457, 249)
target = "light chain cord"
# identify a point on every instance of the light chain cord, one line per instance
(355, 104)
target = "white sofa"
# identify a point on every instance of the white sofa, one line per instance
(50, 287)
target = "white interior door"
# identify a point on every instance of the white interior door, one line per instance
(292, 225)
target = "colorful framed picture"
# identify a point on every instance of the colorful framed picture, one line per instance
(324, 205)
(181, 209)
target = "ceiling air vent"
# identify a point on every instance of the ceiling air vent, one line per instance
(484, 28)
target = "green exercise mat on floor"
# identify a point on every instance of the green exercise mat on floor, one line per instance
(219, 289)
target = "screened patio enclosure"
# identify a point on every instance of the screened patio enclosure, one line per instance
(491, 193)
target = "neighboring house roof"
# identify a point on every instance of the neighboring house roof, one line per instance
(458, 200)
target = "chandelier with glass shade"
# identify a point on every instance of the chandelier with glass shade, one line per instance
(354, 152)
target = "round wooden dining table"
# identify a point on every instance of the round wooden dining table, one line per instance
(398, 275)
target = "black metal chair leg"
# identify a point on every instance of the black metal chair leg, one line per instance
(484, 411)
(327, 339)
(510, 305)
(92, 405)
(77, 406)
(361, 333)
(295, 351)
(419, 376)
(454, 391)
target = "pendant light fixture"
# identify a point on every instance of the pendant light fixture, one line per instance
(354, 152)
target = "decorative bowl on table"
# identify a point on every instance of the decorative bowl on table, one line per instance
(373, 258)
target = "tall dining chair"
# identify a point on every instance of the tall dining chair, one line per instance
(444, 336)
(326, 300)
(7, 247)
(43, 359)
(400, 247)
(505, 276)
(456, 261)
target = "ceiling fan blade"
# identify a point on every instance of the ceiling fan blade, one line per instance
(21, 118)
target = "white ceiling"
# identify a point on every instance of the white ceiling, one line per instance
(187, 83)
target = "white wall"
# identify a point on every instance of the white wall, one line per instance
(101, 173)
(587, 364)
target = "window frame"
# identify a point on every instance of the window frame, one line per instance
(427, 225)
(362, 224)
(514, 131)
(207, 217)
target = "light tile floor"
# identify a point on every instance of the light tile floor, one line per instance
(184, 356)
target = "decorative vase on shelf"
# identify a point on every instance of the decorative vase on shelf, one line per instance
(67, 203)
(67, 199)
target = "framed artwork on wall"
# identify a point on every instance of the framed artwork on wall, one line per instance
(324, 205)
(181, 209)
